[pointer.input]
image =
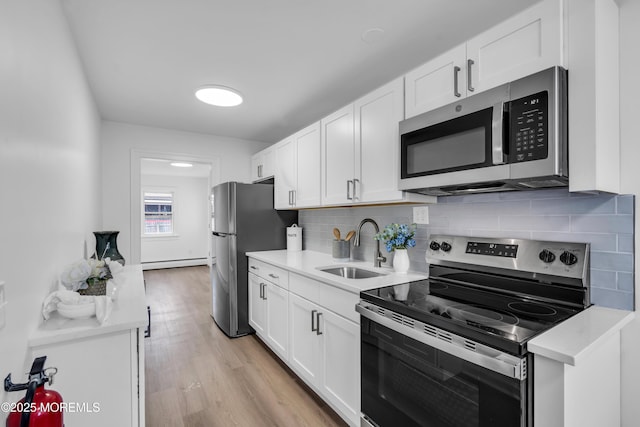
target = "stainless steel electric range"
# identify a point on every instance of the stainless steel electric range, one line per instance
(451, 350)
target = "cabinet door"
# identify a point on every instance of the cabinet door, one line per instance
(338, 153)
(528, 42)
(257, 313)
(377, 143)
(256, 163)
(308, 161)
(341, 363)
(115, 391)
(434, 84)
(268, 162)
(304, 344)
(285, 175)
(277, 304)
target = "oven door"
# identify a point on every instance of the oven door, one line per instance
(410, 381)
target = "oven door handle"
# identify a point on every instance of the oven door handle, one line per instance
(487, 357)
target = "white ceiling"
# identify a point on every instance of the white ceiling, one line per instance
(294, 61)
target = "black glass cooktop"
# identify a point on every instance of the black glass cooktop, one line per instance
(503, 321)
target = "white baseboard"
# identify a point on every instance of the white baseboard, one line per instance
(174, 264)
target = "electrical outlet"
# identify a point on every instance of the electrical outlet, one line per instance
(421, 214)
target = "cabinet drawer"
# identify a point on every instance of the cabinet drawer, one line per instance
(337, 300)
(269, 272)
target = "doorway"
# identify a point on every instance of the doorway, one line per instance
(171, 209)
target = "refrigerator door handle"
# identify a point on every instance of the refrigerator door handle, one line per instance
(218, 234)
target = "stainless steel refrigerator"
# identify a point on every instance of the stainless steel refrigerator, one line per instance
(244, 221)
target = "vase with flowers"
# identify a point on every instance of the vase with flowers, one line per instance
(87, 276)
(398, 238)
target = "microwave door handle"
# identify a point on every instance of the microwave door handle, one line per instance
(497, 137)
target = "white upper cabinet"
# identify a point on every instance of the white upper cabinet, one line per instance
(263, 164)
(338, 157)
(297, 177)
(438, 82)
(360, 150)
(523, 44)
(285, 179)
(594, 95)
(528, 42)
(377, 144)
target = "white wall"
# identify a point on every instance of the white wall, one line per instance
(190, 216)
(230, 159)
(49, 167)
(630, 174)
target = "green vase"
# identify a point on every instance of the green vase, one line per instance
(107, 246)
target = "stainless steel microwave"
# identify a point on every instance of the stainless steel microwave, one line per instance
(512, 137)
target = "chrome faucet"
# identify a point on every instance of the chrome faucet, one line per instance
(378, 259)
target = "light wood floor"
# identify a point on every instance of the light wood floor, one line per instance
(196, 376)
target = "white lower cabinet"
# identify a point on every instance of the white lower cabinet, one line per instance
(268, 313)
(341, 364)
(314, 328)
(304, 357)
(325, 352)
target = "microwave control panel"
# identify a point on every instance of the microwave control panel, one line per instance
(529, 128)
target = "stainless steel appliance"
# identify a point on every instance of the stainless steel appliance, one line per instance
(244, 221)
(454, 352)
(512, 137)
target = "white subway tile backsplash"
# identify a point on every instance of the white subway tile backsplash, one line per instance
(604, 279)
(602, 223)
(625, 204)
(612, 261)
(559, 223)
(605, 221)
(625, 243)
(625, 282)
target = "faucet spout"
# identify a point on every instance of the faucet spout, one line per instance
(378, 259)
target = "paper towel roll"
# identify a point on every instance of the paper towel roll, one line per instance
(294, 238)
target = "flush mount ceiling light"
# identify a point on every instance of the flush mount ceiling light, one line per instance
(219, 95)
(181, 164)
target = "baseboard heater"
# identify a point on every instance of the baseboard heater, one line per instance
(190, 262)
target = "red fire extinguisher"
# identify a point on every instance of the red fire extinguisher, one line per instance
(40, 407)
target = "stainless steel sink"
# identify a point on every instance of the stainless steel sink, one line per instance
(351, 272)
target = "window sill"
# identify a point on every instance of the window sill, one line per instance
(161, 236)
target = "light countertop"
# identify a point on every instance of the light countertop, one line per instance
(306, 263)
(129, 312)
(573, 339)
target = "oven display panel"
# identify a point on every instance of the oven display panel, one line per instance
(492, 249)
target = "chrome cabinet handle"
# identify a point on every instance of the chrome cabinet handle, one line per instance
(264, 292)
(355, 197)
(456, 92)
(318, 332)
(253, 267)
(313, 327)
(291, 201)
(294, 194)
(469, 76)
(273, 276)
(259, 171)
(349, 182)
(261, 291)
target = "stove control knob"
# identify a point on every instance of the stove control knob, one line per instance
(434, 246)
(547, 256)
(567, 258)
(446, 247)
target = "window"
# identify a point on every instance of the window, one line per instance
(158, 213)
